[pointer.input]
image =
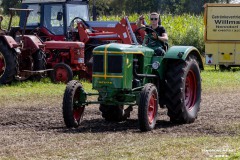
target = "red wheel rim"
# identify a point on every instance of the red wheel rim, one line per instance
(77, 113)
(2, 65)
(61, 74)
(152, 108)
(190, 90)
(77, 109)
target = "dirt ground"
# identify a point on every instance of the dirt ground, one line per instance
(22, 124)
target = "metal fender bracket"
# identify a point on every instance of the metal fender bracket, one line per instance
(36, 72)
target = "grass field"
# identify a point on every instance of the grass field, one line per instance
(212, 80)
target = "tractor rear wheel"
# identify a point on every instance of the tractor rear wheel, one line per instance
(148, 107)
(39, 63)
(183, 90)
(112, 113)
(72, 109)
(8, 64)
(61, 73)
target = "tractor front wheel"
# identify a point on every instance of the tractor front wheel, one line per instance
(8, 64)
(61, 73)
(183, 90)
(148, 107)
(72, 108)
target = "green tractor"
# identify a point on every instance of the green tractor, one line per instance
(134, 75)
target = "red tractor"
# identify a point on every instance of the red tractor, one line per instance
(21, 56)
(70, 37)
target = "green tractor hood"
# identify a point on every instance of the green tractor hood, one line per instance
(113, 65)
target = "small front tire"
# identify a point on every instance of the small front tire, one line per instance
(148, 107)
(72, 108)
(61, 73)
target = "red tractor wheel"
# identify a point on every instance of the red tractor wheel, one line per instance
(183, 90)
(148, 107)
(190, 90)
(72, 108)
(8, 64)
(61, 73)
(2, 64)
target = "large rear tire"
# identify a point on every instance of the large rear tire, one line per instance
(148, 107)
(8, 64)
(72, 109)
(183, 90)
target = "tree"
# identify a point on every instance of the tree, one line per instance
(102, 6)
(119, 7)
(9, 4)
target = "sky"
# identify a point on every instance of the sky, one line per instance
(236, 1)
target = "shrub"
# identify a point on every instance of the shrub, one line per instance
(182, 30)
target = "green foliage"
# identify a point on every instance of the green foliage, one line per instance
(234, 156)
(112, 7)
(102, 6)
(182, 30)
(9, 4)
(5, 22)
(176, 7)
(185, 30)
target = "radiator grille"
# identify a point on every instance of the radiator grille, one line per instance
(98, 63)
(115, 64)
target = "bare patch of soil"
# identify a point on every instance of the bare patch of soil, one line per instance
(219, 116)
(218, 111)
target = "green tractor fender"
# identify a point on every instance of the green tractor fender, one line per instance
(183, 52)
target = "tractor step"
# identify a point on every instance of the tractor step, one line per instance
(24, 74)
(37, 72)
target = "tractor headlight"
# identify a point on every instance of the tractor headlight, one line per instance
(155, 65)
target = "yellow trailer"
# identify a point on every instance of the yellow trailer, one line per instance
(222, 35)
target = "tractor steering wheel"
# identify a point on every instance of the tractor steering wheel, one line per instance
(71, 26)
(149, 35)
